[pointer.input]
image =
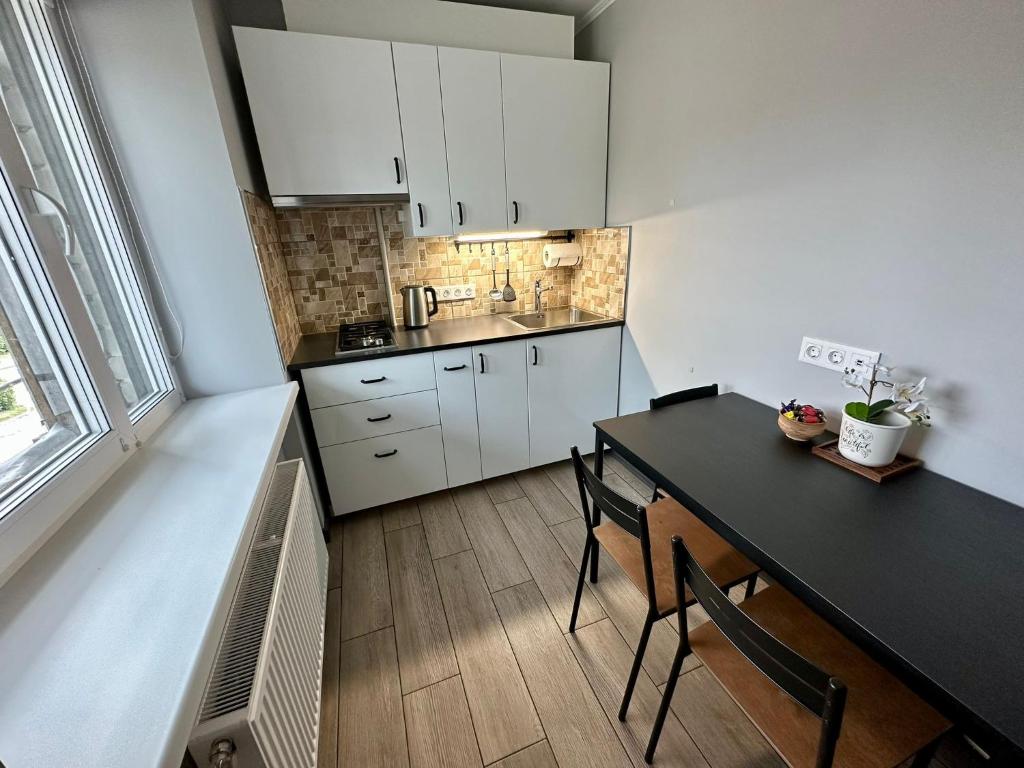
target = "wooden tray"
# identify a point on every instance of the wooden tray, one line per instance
(830, 452)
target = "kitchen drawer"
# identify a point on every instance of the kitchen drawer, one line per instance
(372, 418)
(368, 379)
(383, 469)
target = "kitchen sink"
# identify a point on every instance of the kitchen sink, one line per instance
(555, 318)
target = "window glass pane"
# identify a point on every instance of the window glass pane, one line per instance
(49, 410)
(53, 138)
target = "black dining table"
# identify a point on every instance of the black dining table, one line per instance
(924, 573)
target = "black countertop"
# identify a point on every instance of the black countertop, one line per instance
(922, 571)
(317, 349)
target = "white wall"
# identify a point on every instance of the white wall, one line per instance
(853, 171)
(149, 66)
(459, 25)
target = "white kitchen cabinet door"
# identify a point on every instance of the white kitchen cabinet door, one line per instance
(556, 141)
(419, 104)
(501, 407)
(573, 382)
(471, 95)
(325, 111)
(456, 394)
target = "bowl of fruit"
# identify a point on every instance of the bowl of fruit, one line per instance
(801, 422)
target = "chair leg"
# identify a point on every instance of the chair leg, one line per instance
(595, 550)
(751, 586)
(666, 701)
(579, 585)
(924, 757)
(638, 659)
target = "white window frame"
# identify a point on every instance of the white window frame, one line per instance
(51, 497)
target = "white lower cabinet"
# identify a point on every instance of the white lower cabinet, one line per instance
(573, 382)
(372, 418)
(456, 395)
(384, 469)
(501, 407)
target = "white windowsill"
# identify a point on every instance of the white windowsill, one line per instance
(108, 633)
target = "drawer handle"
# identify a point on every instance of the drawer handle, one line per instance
(378, 418)
(455, 367)
(534, 354)
(372, 381)
(481, 362)
(384, 455)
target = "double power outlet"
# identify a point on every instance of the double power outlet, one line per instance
(837, 357)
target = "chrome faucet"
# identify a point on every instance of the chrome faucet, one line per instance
(537, 291)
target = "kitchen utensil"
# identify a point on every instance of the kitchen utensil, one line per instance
(495, 292)
(508, 293)
(414, 305)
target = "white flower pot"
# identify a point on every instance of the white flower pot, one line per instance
(873, 445)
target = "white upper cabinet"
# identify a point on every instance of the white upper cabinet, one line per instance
(325, 111)
(419, 104)
(556, 141)
(471, 94)
(573, 382)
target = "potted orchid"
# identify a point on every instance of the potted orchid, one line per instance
(872, 431)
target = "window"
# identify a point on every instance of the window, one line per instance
(83, 376)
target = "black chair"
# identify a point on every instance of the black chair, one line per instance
(638, 539)
(770, 653)
(684, 396)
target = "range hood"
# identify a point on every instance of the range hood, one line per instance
(312, 201)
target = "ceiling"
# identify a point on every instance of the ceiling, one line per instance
(576, 8)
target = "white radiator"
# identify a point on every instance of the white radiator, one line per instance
(261, 708)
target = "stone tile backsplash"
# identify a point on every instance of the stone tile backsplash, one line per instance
(330, 259)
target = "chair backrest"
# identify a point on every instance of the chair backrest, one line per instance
(684, 396)
(629, 516)
(806, 683)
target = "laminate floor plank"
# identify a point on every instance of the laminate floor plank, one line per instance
(440, 728)
(503, 713)
(425, 653)
(640, 484)
(442, 524)
(576, 726)
(549, 502)
(626, 606)
(563, 477)
(719, 728)
(400, 514)
(555, 575)
(537, 756)
(606, 659)
(334, 556)
(327, 745)
(365, 596)
(499, 559)
(371, 728)
(504, 488)
(624, 489)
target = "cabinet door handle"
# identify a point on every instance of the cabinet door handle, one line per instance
(515, 211)
(398, 172)
(373, 381)
(384, 455)
(462, 219)
(481, 362)
(455, 367)
(378, 418)
(419, 207)
(534, 354)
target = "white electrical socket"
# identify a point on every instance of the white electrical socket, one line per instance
(836, 357)
(455, 292)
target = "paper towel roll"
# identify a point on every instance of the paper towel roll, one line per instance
(562, 255)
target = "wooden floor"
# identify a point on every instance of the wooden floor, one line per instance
(447, 644)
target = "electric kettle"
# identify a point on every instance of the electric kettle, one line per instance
(414, 305)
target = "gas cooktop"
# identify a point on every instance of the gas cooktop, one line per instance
(364, 337)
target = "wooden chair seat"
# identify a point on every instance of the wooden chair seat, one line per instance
(667, 518)
(884, 723)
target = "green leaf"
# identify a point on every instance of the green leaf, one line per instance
(857, 410)
(876, 408)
